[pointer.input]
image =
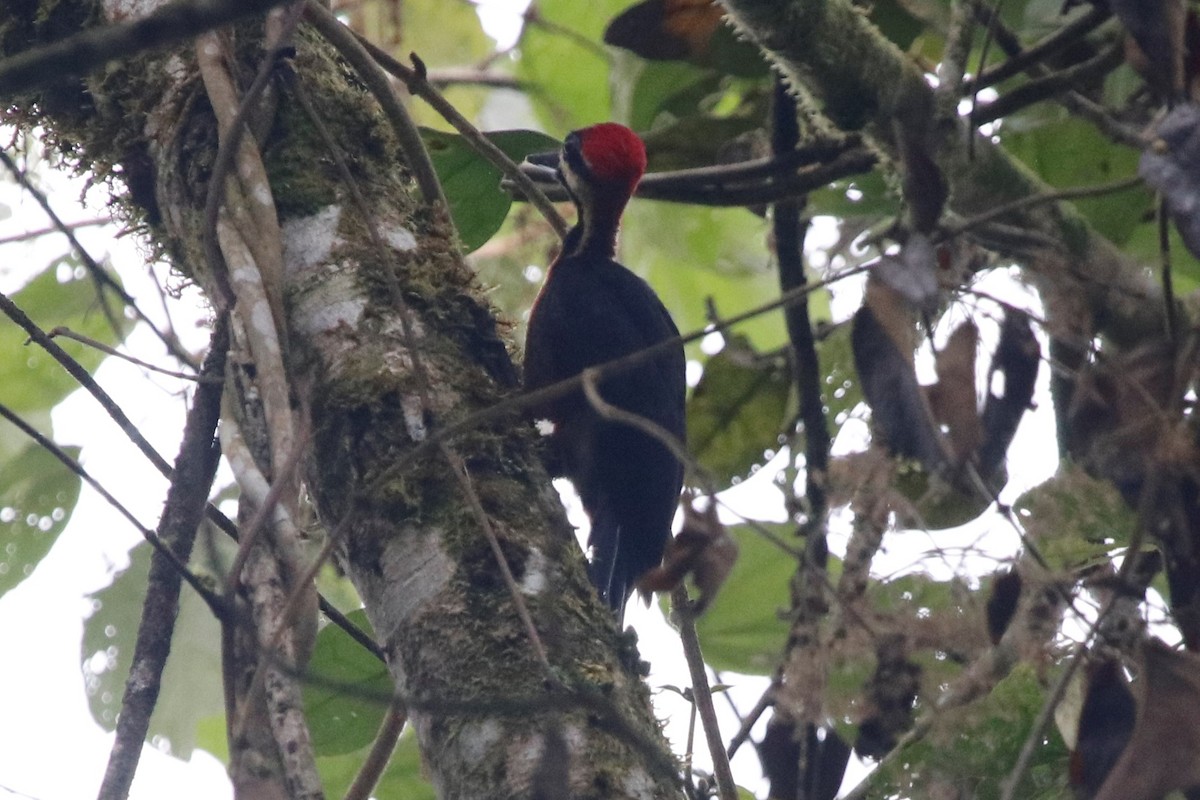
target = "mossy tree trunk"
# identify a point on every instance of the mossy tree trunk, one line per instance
(386, 343)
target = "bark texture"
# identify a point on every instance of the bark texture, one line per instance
(380, 373)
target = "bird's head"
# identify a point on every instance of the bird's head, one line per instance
(607, 156)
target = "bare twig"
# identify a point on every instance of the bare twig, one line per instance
(1049, 85)
(79, 54)
(702, 693)
(555, 390)
(381, 750)
(1039, 51)
(420, 86)
(1024, 203)
(346, 43)
(50, 229)
(67, 333)
(94, 268)
(213, 601)
(195, 467)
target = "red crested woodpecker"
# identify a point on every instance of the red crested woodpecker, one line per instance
(591, 310)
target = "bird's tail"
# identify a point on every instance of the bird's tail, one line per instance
(606, 570)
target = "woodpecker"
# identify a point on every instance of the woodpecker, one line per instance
(592, 310)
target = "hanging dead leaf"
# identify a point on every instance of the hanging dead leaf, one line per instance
(1002, 603)
(1157, 39)
(1115, 422)
(814, 771)
(952, 398)
(666, 30)
(1163, 753)
(1017, 359)
(703, 548)
(1105, 722)
(899, 411)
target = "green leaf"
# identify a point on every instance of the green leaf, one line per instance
(1077, 520)
(37, 495)
(738, 411)
(656, 86)
(30, 380)
(472, 183)
(742, 630)
(191, 684)
(1069, 153)
(895, 22)
(443, 35)
(342, 721)
(972, 749)
(562, 56)
(401, 779)
(861, 196)
(692, 255)
(694, 141)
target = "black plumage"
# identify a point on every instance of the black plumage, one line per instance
(590, 311)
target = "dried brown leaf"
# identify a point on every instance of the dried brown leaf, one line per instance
(952, 398)
(703, 549)
(1163, 753)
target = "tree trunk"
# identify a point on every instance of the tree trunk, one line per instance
(386, 344)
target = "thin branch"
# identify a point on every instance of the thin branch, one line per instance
(381, 750)
(1050, 85)
(702, 693)
(749, 183)
(214, 514)
(1025, 203)
(367, 68)
(78, 55)
(212, 600)
(97, 272)
(51, 229)
(790, 231)
(564, 387)
(195, 467)
(1071, 100)
(67, 333)
(420, 86)
(750, 720)
(464, 481)
(1039, 51)
(470, 76)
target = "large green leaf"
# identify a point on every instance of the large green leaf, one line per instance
(191, 683)
(342, 721)
(1068, 152)
(739, 411)
(563, 58)
(403, 778)
(37, 494)
(472, 183)
(742, 631)
(693, 255)
(30, 380)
